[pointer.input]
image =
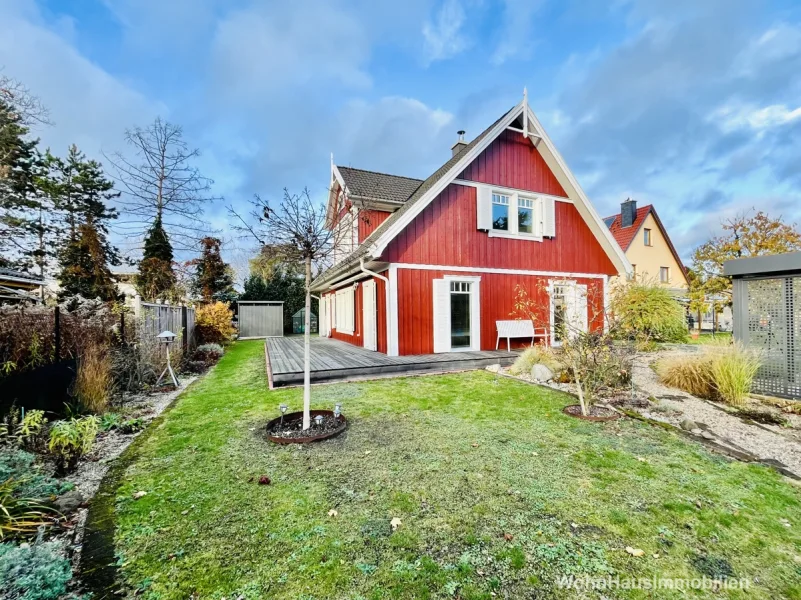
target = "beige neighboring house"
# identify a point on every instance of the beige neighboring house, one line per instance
(646, 244)
(124, 282)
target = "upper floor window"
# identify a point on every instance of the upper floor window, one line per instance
(646, 235)
(664, 274)
(525, 215)
(500, 212)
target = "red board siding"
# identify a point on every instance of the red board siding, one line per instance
(416, 311)
(369, 220)
(512, 161)
(445, 234)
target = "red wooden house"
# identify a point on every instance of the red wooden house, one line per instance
(431, 266)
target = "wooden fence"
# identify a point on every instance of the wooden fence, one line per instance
(154, 318)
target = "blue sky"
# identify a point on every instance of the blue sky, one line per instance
(692, 106)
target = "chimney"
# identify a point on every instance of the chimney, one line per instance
(628, 212)
(460, 143)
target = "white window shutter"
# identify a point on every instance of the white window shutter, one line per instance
(484, 207)
(442, 315)
(549, 220)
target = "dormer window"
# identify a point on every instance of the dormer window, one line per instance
(500, 212)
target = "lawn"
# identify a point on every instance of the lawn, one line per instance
(721, 337)
(498, 493)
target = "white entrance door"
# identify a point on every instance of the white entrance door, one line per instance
(325, 316)
(369, 316)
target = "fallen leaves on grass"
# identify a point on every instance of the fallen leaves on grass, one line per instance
(395, 523)
(635, 551)
(264, 480)
(332, 513)
(508, 537)
(138, 495)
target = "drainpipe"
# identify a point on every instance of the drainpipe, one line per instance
(386, 292)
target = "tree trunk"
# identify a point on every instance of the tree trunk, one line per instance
(580, 391)
(307, 351)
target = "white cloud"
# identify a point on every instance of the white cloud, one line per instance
(517, 38)
(269, 50)
(732, 118)
(444, 37)
(88, 106)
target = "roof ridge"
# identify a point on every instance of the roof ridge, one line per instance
(378, 173)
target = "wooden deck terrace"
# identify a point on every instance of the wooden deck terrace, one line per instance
(332, 360)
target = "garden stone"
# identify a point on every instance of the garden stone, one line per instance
(69, 502)
(494, 368)
(688, 425)
(707, 436)
(540, 372)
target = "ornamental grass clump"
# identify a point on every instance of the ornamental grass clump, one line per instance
(534, 356)
(94, 382)
(723, 373)
(733, 372)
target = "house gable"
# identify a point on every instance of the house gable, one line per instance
(376, 244)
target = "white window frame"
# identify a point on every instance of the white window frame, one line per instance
(517, 201)
(666, 272)
(647, 237)
(345, 310)
(500, 202)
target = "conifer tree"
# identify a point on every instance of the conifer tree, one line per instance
(85, 268)
(212, 280)
(156, 278)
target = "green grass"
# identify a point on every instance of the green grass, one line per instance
(497, 490)
(721, 337)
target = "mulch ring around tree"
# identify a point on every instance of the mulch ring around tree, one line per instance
(290, 429)
(594, 413)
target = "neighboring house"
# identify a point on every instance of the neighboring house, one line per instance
(644, 239)
(124, 281)
(16, 286)
(430, 266)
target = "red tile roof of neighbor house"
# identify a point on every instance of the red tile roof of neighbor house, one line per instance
(624, 235)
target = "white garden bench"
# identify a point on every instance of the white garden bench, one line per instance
(519, 329)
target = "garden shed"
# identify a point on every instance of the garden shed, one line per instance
(259, 319)
(299, 319)
(767, 318)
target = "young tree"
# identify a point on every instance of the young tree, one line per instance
(212, 280)
(163, 185)
(84, 266)
(743, 236)
(156, 278)
(295, 230)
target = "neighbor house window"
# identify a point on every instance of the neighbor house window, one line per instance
(525, 215)
(500, 212)
(664, 274)
(647, 237)
(344, 311)
(634, 272)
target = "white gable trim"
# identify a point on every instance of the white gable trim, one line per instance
(508, 190)
(554, 161)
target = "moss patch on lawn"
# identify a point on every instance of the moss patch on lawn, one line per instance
(497, 491)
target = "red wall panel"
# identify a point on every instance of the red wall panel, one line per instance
(416, 306)
(512, 161)
(445, 234)
(369, 220)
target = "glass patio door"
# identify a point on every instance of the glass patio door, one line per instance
(460, 315)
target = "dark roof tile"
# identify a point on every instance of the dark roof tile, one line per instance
(379, 186)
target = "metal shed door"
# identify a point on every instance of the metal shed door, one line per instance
(258, 320)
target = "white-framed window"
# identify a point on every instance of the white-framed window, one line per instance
(664, 274)
(512, 214)
(646, 237)
(500, 212)
(344, 310)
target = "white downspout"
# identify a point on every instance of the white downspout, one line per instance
(386, 293)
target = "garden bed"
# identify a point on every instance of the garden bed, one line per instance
(289, 428)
